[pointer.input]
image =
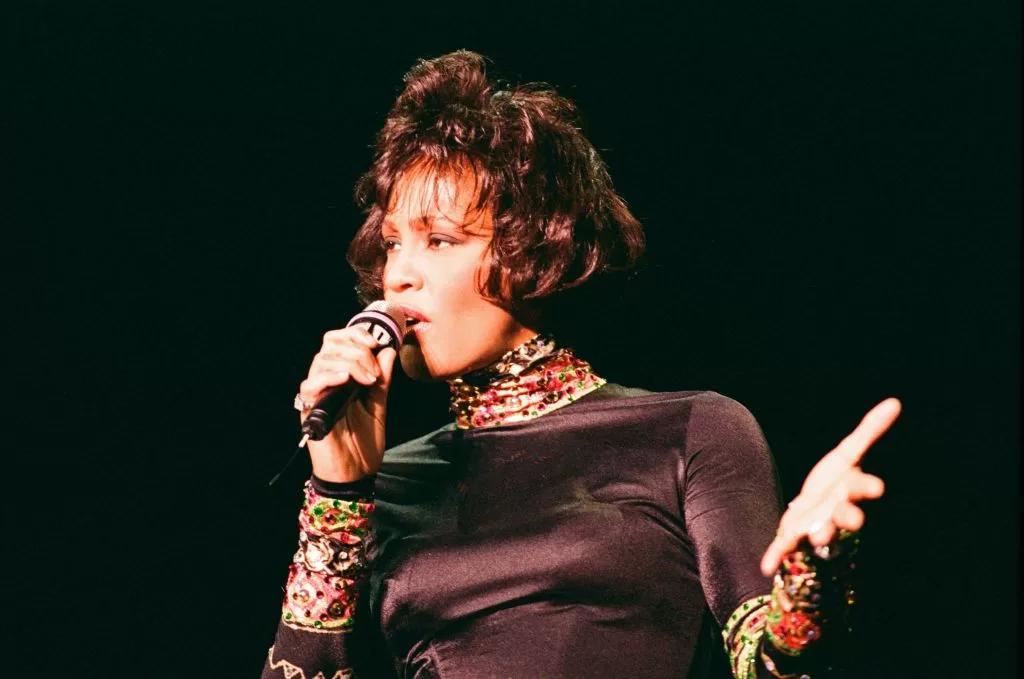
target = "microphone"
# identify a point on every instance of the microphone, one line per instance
(386, 322)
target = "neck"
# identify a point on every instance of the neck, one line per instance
(535, 378)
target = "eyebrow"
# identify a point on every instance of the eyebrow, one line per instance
(424, 222)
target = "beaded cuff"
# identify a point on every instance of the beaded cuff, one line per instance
(742, 635)
(811, 591)
(334, 538)
(811, 587)
(532, 379)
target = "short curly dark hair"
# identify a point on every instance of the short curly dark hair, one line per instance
(557, 219)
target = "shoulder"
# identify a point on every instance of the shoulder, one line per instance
(723, 417)
(695, 420)
(723, 440)
(702, 408)
(716, 421)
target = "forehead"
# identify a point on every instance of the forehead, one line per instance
(426, 190)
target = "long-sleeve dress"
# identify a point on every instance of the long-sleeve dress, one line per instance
(618, 536)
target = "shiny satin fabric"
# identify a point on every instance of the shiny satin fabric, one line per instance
(611, 538)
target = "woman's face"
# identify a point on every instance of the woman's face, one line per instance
(438, 252)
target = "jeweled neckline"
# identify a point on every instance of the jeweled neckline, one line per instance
(531, 380)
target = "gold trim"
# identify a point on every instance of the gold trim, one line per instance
(293, 671)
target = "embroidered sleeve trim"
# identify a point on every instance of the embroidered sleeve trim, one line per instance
(742, 634)
(334, 542)
(293, 671)
(811, 590)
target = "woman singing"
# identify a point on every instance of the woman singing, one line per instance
(561, 526)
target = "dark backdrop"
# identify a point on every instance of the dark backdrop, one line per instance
(830, 193)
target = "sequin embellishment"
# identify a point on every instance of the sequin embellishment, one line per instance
(334, 538)
(810, 587)
(533, 379)
(742, 634)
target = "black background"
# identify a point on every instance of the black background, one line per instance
(830, 194)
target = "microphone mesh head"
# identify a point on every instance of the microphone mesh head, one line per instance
(393, 311)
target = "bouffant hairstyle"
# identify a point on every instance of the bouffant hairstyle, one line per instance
(557, 219)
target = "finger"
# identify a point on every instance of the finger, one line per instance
(355, 334)
(848, 516)
(813, 522)
(377, 397)
(345, 356)
(875, 423)
(779, 547)
(786, 539)
(386, 362)
(312, 388)
(861, 486)
(363, 376)
(821, 531)
(356, 370)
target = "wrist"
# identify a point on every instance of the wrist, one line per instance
(361, 490)
(342, 458)
(340, 474)
(331, 465)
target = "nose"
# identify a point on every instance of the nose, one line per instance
(401, 271)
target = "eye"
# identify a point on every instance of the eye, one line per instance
(390, 244)
(441, 242)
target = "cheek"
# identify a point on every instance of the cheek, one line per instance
(464, 280)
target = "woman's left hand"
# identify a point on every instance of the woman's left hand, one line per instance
(826, 501)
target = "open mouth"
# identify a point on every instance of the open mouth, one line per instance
(415, 323)
(414, 327)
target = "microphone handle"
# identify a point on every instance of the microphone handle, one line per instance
(322, 417)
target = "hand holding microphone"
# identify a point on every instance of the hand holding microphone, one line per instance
(343, 400)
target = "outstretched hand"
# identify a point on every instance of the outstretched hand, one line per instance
(827, 499)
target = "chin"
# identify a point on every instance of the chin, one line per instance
(415, 365)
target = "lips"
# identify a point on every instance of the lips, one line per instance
(416, 321)
(412, 313)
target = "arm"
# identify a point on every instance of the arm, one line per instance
(732, 508)
(317, 631)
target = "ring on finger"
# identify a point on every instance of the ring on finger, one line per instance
(301, 404)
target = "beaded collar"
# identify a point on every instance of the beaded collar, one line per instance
(535, 378)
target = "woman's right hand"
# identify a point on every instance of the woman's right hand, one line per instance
(355, 445)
